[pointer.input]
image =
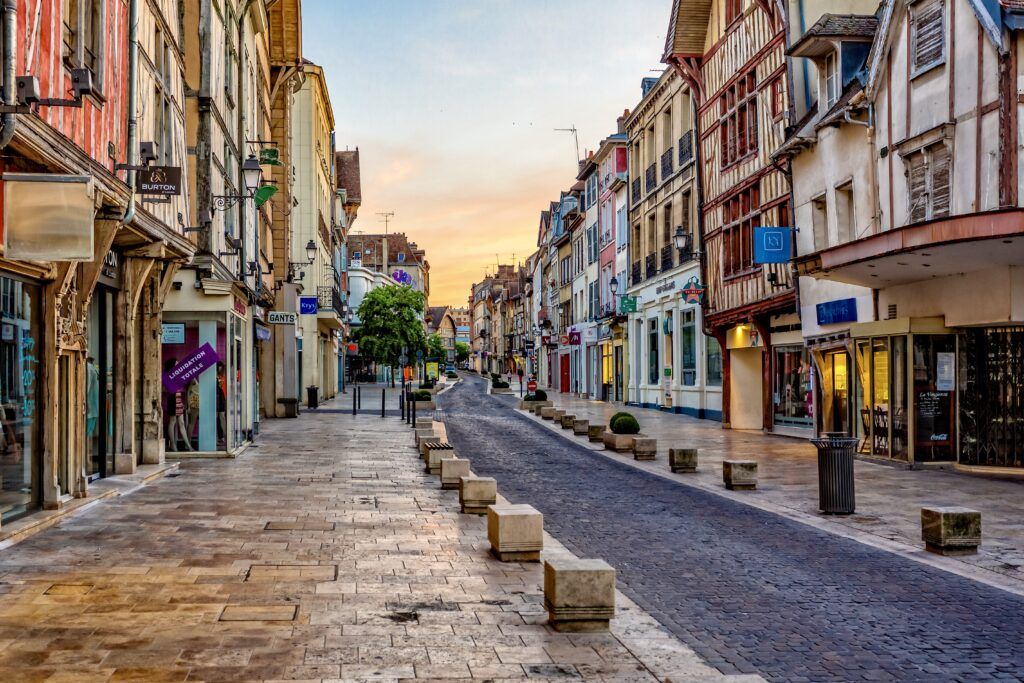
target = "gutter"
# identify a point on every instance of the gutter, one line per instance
(10, 92)
(133, 130)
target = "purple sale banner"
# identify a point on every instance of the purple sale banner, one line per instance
(190, 367)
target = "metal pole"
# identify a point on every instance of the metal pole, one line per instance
(408, 410)
(382, 393)
(354, 392)
(401, 404)
(414, 414)
(359, 398)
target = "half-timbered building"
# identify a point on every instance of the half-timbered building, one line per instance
(732, 55)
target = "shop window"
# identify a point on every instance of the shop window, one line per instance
(792, 397)
(835, 387)
(934, 397)
(688, 348)
(652, 351)
(20, 398)
(882, 396)
(991, 408)
(713, 365)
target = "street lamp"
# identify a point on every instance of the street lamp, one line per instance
(311, 251)
(252, 173)
(614, 285)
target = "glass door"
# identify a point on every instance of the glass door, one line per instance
(835, 385)
(99, 386)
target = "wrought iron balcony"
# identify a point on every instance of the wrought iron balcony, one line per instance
(650, 266)
(650, 178)
(666, 163)
(686, 148)
(636, 190)
(635, 274)
(667, 261)
(329, 299)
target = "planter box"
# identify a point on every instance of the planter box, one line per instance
(596, 432)
(951, 530)
(682, 460)
(581, 427)
(620, 443)
(506, 390)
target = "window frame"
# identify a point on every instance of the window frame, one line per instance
(739, 134)
(925, 156)
(91, 14)
(918, 9)
(831, 80)
(736, 219)
(688, 329)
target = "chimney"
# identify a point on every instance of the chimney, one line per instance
(621, 121)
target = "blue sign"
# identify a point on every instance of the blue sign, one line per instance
(840, 311)
(309, 305)
(173, 333)
(773, 245)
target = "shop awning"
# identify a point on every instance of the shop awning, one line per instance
(923, 251)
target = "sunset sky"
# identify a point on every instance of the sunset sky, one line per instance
(453, 105)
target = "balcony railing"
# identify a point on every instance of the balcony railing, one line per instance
(666, 163)
(636, 190)
(667, 258)
(635, 274)
(686, 148)
(650, 266)
(329, 299)
(650, 178)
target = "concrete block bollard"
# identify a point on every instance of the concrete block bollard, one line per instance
(424, 423)
(557, 414)
(547, 413)
(424, 435)
(595, 433)
(452, 470)
(476, 494)
(579, 595)
(434, 458)
(951, 530)
(620, 443)
(739, 475)
(645, 448)
(541, 406)
(568, 421)
(516, 532)
(682, 460)
(581, 427)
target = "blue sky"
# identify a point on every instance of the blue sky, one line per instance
(453, 105)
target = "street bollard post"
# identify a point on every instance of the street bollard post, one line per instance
(355, 390)
(359, 398)
(401, 405)
(382, 399)
(414, 414)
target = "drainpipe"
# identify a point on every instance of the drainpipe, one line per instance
(133, 131)
(240, 103)
(10, 93)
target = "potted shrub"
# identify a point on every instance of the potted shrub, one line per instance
(423, 399)
(500, 387)
(622, 428)
(537, 398)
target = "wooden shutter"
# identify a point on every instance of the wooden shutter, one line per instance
(939, 172)
(929, 38)
(917, 184)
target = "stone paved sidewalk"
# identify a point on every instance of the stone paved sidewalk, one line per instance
(889, 499)
(324, 553)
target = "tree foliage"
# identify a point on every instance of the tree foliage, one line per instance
(436, 347)
(461, 352)
(390, 318)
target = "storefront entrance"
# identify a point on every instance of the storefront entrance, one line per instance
(991, 403)
(834, 376)
(20, 398)
(792, 394)
(99, 385)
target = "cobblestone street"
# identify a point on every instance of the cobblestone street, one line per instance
(749, 590)
(323, 553)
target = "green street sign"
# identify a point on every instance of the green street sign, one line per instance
(270, 156)
(628, 304)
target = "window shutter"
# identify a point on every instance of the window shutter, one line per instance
(918, 186)
(940, 177)
(929, 41)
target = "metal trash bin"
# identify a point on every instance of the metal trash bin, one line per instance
(313, 396)
(835, 473)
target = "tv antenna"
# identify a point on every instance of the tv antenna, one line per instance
(575, 138)
(386, 216)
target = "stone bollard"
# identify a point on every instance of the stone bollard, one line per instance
(424, 423)
(682, 460)
(516, 532)
(568, 421)
(595, 433)
(581, 427)
(547, 413)
(951, 530)
(645, 448)
(452, 470)
(424, 435)
(434, 458)
(579, 595)
(739, 475)
(557, 414)
(539, 407)
(477, 493)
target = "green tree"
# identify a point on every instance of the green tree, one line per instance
(390, 318)
(436, 347)
(461, 352)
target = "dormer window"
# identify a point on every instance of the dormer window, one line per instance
(832, 80)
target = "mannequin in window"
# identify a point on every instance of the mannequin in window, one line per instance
(174, 415)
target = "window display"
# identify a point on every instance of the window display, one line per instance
(792, 396)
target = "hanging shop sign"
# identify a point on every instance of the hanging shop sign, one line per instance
(172, 333)
(627, 304)
(164, 181)
(270, 156)
(190, 367)
(574, 338)
(262, 333)
(48, 217)
(839, 311)
(693, 292)
(281, 318)
(241, 308)
(309, 305)
(773, 245)
(590, 335)
(352, 349)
